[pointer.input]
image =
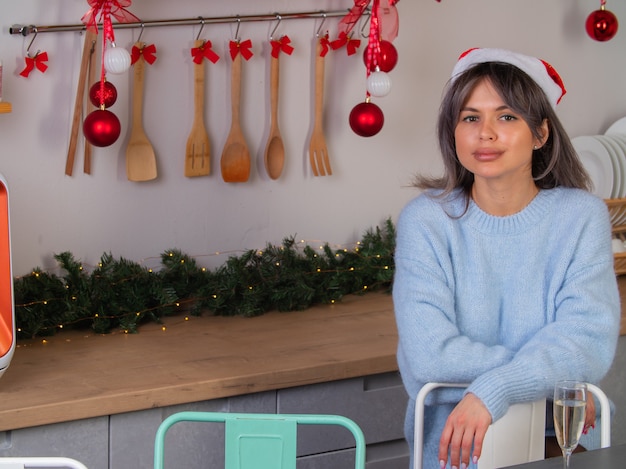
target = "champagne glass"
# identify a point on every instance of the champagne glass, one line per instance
(569, 415)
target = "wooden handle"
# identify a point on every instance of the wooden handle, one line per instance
(319, 83)
(198, 89)
(90, 106)
(274, 79)
(78, 104)
(138, 78)
(235, 88)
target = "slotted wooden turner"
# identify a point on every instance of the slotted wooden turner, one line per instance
(198, 152)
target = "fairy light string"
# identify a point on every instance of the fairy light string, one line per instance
(118, 294)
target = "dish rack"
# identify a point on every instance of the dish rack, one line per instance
(617, 213)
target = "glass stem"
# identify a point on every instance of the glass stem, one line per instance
(566, 454)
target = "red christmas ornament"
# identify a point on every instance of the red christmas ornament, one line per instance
(366, 119)
(107, 99)
(601, 25)
(101, 128)
(387, 60)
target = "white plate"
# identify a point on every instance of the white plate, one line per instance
(618, 127)
(613, 150)
(596, 160)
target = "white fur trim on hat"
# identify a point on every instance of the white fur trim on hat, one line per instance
(540, 71)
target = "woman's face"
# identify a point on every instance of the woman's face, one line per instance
(492, 141)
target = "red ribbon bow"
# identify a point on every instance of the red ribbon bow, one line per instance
(106, 8)
(281, 45)
(148, 52)
(349, 21)
(204, 52)
(344, 40)
(325, 45)
(39, 62)
(242, 47)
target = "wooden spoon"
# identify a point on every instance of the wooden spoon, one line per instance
(140, 158)
(275, 150)
(235, 161)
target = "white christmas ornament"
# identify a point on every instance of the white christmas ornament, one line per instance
(116, 60)
(378, 84)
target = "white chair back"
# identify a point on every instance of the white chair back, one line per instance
(47, 462)
(516, 438)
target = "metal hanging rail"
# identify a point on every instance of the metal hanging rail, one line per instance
(26, 30)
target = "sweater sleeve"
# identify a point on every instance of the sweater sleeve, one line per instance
(580, 343)
(431, 347)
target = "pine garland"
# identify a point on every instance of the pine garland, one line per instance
(122, 294)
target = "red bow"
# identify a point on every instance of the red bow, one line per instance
(148, 52)
(204, 51)
(241, 47)
(106, 8)
(38, 61)
(344, 40)
(325, 45)
(281, 45)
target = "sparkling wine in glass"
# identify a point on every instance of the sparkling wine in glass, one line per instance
(569, 415)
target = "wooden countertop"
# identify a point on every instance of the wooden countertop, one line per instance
(76, 375)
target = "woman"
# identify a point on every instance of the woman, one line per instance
(504, 268)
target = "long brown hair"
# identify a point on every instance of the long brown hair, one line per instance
(554, 164)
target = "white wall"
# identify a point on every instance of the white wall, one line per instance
(104, 212)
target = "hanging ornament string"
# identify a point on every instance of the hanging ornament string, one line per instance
(373, 45)
(102, 10)
(281, 45)
(148, 53)
(241, 47)
(205, 51)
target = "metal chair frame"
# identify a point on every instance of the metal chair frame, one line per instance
(248, 436)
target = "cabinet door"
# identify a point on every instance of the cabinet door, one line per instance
(376, 403)
(84, 440)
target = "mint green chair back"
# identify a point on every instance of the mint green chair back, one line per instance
(259, 441)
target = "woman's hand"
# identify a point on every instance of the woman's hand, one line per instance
(466, 424)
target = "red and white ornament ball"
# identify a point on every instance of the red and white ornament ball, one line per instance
(100, 95)
(366, 119)
(601, 25)
(387, 60)
(101, 128)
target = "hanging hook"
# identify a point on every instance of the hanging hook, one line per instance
(319, 29)
(237, 30)
(279, 18)
(201, 27)
(31, 43)
(365, 24)
(141, 32)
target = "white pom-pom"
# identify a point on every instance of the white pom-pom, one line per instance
(378, 84)
(116, 60)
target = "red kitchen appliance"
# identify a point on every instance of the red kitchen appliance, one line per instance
(7, 308)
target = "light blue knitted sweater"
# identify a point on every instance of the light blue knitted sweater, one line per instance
(509, 304)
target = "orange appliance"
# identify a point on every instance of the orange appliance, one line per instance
(7, 306)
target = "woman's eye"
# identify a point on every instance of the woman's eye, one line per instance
(508, 117)
(469, 118)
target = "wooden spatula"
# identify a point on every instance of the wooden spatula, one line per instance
(235, 162)
(140, 157)
(198, 151)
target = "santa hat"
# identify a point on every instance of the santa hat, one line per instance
(539, 70)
